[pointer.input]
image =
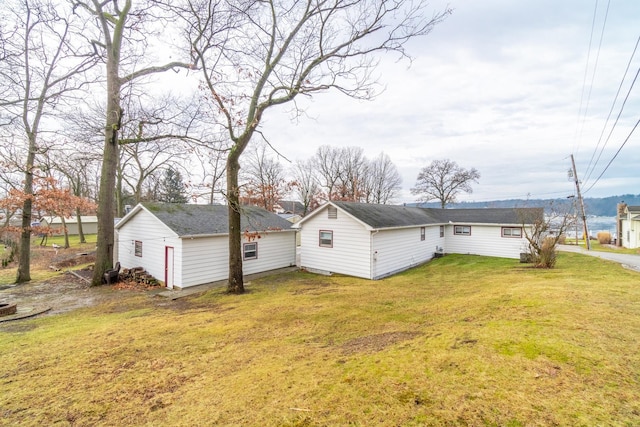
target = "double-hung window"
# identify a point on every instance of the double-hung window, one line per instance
(326, 238)
(138, 248)
(462, 230)
(250, 251)
(512, 232)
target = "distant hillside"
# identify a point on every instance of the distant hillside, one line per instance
(605, 206)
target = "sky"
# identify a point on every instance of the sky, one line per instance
(510, 88)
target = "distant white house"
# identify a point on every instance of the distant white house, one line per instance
(374, 241)
(89, 224)
(629, 222)
(186, 245)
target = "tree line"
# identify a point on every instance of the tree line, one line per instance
(86, 94)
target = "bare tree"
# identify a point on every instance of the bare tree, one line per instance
(443, 180)
(548, 227)
(118, 23)
(351, 174)
(382, 180)
(327, 165)
(41, 68)
(210, 180)
(264, 179)
(305, 185)
(257, 55)
(76, 168)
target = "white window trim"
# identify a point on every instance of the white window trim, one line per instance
(320, 239)
(462, 228)
(244, 251)
(510, 230)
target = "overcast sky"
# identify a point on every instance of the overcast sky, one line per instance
(497, 87)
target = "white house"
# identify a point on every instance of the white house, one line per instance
(375, 241)
(187, 245)
(629, 222)
(89, 224)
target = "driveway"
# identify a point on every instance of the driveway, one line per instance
(632, 262)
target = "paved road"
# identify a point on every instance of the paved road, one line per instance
(629, 261)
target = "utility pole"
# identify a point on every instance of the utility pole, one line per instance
(584, 216)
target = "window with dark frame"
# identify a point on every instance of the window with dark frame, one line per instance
(422, 233)
(138, 248)
(250, 251)
(515, 232)
(326, 238)
(462, 230)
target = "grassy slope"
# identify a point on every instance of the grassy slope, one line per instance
(462, 340)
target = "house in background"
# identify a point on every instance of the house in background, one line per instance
(629, 226)
(374, 241)
(186, 245)
(89, 224)
(289, 207)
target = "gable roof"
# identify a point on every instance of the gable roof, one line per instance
(396, 216)
(208, 220)
(387, 216)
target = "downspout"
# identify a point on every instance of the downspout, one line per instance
(374, 255)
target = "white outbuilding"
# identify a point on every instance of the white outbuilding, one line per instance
(186, 245)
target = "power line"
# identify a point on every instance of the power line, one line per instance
(576, 139)
(616, 155)
(615, 99)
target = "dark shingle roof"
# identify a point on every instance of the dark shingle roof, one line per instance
(194, 220)
(389, 216)
(492, 215)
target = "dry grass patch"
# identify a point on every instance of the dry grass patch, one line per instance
(460, 341)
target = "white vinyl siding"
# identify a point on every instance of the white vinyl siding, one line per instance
(207, 259)
(154, 236)
(197, 260)
(276, 250)
(399, 249)
(484, 240)
(630, 233)
(351, 251)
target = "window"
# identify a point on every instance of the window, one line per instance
(442, 231)
(250, 251)
(138, 248)
(422, 233)
(462, 230)
(332, 212)
(326, 239)
(511, 231)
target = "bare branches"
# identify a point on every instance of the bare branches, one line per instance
(443, 180)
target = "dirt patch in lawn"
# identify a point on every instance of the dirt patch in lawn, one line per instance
(376, 342)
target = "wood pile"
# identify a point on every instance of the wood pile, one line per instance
(139, 275)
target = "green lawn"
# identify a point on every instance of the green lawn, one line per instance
(41, 257)
(463, 340)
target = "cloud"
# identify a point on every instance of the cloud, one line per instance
(497, 86)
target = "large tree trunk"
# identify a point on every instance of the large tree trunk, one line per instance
(65, 231)
(80, 230)
(236, 283)
(104, 251)
(24, 254)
